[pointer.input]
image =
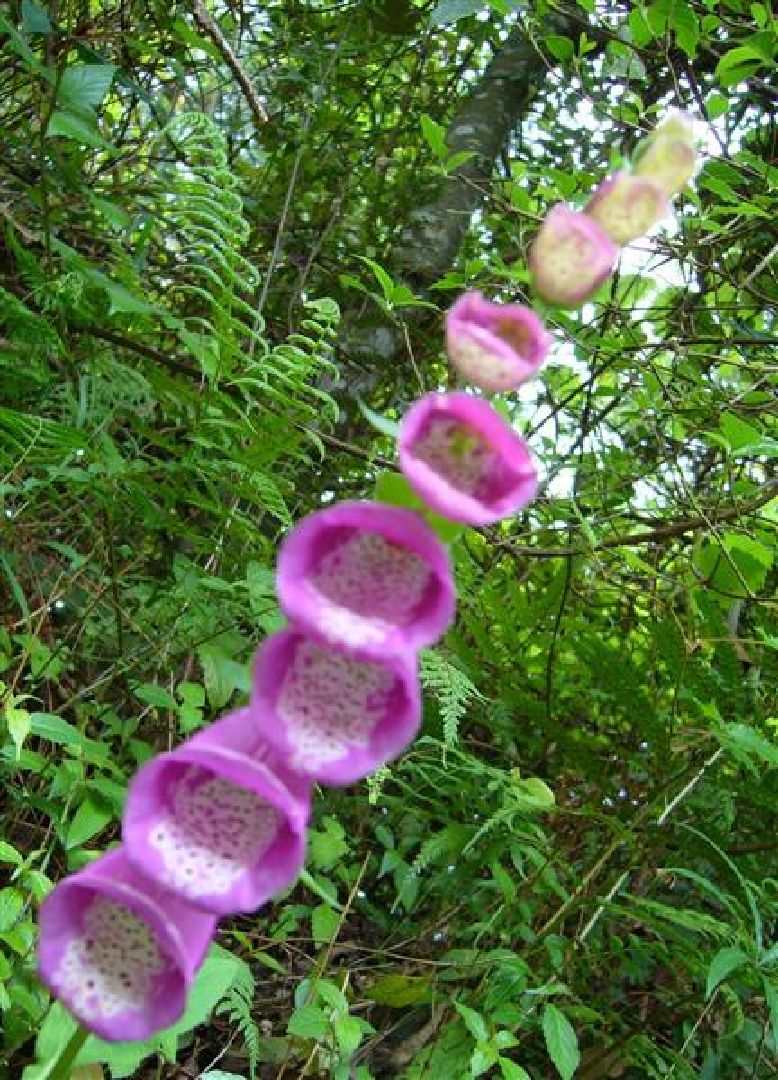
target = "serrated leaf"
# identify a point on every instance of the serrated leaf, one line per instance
(511, 1071)
(19, 723)
(348, 1032)
(155, 695)
(561, 1041)
(324, 923)
(722, 965)
(308, 1022)
(474, 1022)
(400, 991)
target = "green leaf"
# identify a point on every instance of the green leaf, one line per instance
(380, 423)
(746, 742)
(435, 136)
(561, 1041)
(90, 819)
(737, 65)
(348, 1032)
(83, 86)
(771, 997)
(400, 991)
(561, 48)
(309, 1022)
(9, 854)
(722, 965)
(451, 11)
(79, 129)
(474, 1022)
(19, 723)
(155, 695)
(511, 1071)
(35, 18)
(11, 907)
(324, 923)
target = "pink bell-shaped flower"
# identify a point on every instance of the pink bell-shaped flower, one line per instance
(329, 713)
(570, 257)
(367, 577)
(626, 206)
(496, 347)
(220, 820)
(118, 951)
(667, 156)
(460, 456)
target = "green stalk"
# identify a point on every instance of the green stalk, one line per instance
(61, 1068)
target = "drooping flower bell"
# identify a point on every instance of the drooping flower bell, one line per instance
(329, 713)
(570, 257)
(118, 951)
(220, 820)
(461, 457)
(627, 206)
(368, 577)
(667, 156)
(496, 347)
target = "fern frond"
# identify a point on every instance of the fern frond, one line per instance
(452, 688)
(237, 1007)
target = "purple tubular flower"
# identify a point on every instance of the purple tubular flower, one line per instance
(460, 456)
(367, 577)
(118, 951)
(627, 206)
(571, 257)
(496, 347)
(220, 820)
(330, 714)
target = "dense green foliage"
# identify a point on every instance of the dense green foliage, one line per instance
(220, 232)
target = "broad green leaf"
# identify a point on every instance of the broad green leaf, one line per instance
(83, 86)
(76, 127)
(400, 991)
(348, 1033)
(561, 1041)
(157, 696)
(90, 819)
(308, 1022)
(722, 965)
(324, 923)
(11, 907)
(451, 11)
(561, 48)
(9, 854)
(35, 18)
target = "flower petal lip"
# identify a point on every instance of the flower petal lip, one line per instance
(512, 481)
(627, 206)
(366, 634)
(230, 753)
(570, 257)
(275, 663)
(496, 347)
(182, 933)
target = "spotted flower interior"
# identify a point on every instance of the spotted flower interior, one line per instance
(334, 716)
(114, 966)
(212, 833)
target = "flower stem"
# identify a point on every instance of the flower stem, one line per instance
(61, 1068)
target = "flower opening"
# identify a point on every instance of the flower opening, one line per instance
(330, 714)
(118, 951)
(496, 347)
(461, 457)
(218, 821)
(372, 578)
